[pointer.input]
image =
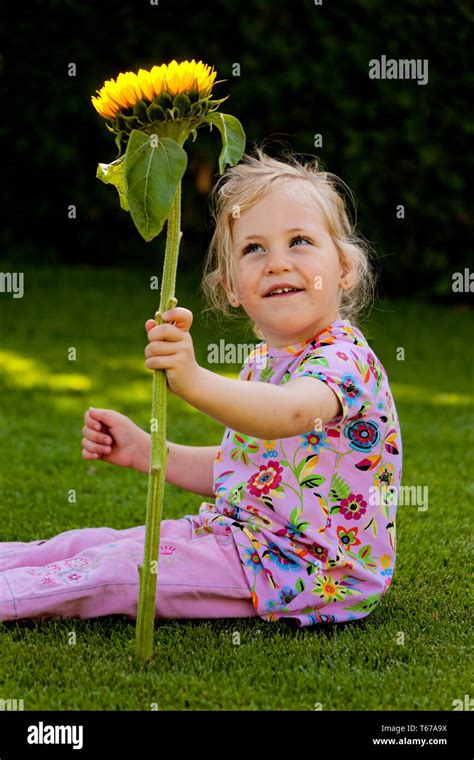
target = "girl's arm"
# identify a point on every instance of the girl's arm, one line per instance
(262, 410)
(188, 467)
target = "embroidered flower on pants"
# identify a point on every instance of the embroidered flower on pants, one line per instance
(48, 581)
(73, 577)
(77, 562)
(167, 549)
(44, 570)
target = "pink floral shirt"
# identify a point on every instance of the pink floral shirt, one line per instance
(313, 516)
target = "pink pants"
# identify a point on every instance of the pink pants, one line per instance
(92, 572)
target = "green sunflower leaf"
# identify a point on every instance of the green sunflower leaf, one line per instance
(153, 168)
(112, 174)
(233, 137)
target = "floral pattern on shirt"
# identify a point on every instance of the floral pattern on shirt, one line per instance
(315, 535)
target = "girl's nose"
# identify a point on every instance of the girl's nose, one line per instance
(277, 260)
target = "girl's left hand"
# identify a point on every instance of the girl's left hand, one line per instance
(170, 347)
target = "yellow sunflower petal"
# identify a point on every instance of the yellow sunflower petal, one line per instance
(115, 94)
(102, 108)
(125, 88)
(187, 79)
(110, 103)
(111, 93)
(173, 82)
(145, 83)
(157, 79)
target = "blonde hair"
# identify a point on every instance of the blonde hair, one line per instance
(245, 184)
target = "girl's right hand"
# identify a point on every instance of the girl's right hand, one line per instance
(112, 437)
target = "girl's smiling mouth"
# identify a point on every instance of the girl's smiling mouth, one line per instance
(283, 294)
(282, 289)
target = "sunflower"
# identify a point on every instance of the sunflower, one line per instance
(168, 102)
(174, 92)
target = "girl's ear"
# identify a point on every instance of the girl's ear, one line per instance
(231, 296)
(346, 273)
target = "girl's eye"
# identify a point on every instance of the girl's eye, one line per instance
(248, 247)
(301, 238)
(251, 245)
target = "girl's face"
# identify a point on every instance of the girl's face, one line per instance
(283, 242)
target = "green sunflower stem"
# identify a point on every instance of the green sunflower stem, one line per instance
(148, 572)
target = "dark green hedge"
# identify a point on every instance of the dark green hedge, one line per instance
(304, 70)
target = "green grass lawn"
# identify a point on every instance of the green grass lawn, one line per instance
(357, 666)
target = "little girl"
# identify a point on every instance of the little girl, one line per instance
(304, 483)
